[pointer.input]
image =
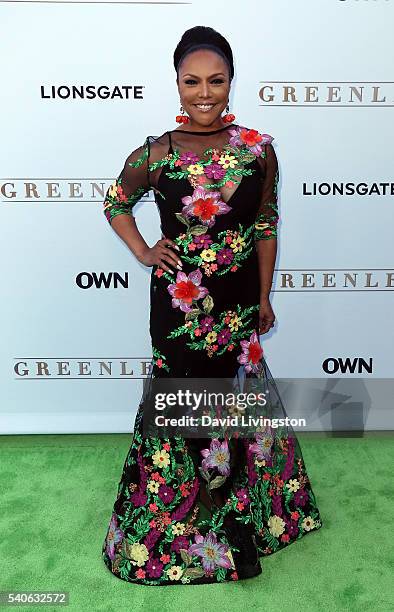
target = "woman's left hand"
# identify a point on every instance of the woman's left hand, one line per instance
(266, 316)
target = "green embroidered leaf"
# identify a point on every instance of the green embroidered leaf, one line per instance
(177, 175)
(193, 572)
(181, 218)
(192, 314)
(247, 157)
(198, 230)
(207, 304)
(216, 482)
(186, 558)
(203, 473)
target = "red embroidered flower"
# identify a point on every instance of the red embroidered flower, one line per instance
(204, 205)
(186, 289)
(250, 137)
(251, 353)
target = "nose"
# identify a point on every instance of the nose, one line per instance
(204, 90)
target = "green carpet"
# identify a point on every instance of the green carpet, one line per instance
(57, 493)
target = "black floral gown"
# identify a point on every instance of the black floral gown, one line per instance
(192, 511)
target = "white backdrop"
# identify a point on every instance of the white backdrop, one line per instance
(326, 66)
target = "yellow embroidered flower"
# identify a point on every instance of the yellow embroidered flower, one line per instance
(276, 525)
(235, 323)
(113, 190)
(174, 572)
(227, 161)
(208, 255)
(261, 226)
(293, 485)
(259, 463)
(178, 528)
(211, 337)
(153, 486)
(308, 523)
(195, 169)
(161, 458)
(139, 554)
(237, 244)
(236, 410)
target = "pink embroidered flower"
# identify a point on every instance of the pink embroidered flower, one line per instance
(213, 553)
(224, 336)
(203, 241)
(187, 289)
(251, 353)
(154, 567)
(214, 171)
(225, 256)
(189, 158)
(178, 543)
(206, 324)
(217, 456)
(166, 494)
(140, 573)
(262, 446)
(114, 536)
(252, 139)
(204, 205)
(243, 496)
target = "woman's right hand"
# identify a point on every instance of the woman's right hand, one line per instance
(161, 254)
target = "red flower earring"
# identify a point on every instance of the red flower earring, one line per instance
(228, 117)
(182, 118)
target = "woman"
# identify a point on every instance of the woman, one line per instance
(203, 510)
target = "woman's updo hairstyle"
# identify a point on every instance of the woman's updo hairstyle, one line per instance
(203, 37)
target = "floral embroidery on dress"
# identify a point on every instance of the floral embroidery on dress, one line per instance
(159, 359)
(204, 206)
(161, 531)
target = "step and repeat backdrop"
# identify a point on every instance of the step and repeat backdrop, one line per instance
(83, 84)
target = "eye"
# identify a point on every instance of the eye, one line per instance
(218, 81)
(190, 82)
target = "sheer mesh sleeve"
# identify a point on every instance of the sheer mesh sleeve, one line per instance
(267, 215)
(132, 183)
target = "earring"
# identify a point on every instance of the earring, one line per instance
(228, 117)
(182, 118)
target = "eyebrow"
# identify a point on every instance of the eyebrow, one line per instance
(197, 77)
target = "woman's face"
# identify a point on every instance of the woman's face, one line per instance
(204, 88)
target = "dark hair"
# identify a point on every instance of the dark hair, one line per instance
(203, 37)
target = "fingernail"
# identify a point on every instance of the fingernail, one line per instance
(177, 247)
(179, 262)
(172, 271)
(179, 267)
